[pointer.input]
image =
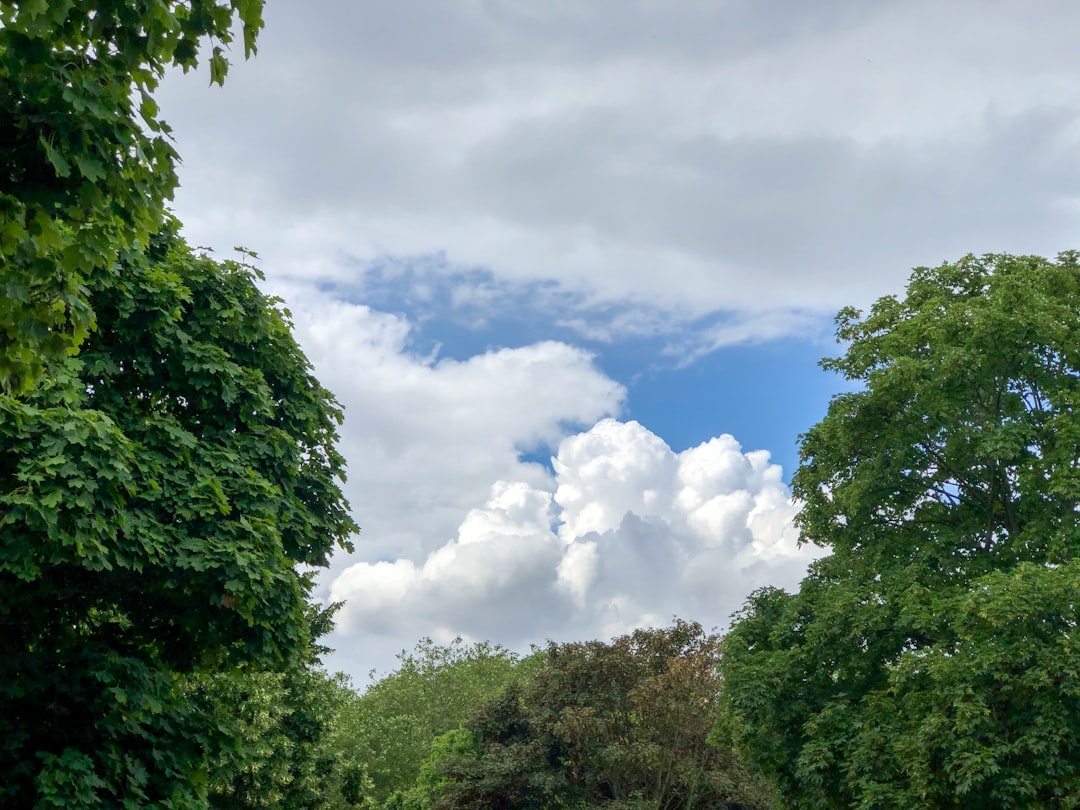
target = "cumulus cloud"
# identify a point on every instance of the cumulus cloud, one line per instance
(628, 533)
(424, 435)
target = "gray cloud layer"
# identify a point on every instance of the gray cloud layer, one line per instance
(694, 155)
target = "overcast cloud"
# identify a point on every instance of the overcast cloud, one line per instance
(763, 153)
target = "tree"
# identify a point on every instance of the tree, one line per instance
(281, 748)
(157, 493)
(621, 725)
(85, 161)
(932, 659)
(390, 728)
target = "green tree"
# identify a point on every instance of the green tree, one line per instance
(278, 749)
(619, 725)
(932, 659)
(85, 161)
(281, 745)
(391, 727)
(157, 493)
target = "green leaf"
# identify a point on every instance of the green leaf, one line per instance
(90, 168)
(58, 162)
(32, 9)
(185, 53)
(219, 66)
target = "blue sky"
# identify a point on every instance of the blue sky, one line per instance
(569, 268)
(764, 392)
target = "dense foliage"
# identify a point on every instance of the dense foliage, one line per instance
(167, 462)
(281, 746)
(85, 161)
(388, 731)
(932, 660)
(157, 492)
(621, 725)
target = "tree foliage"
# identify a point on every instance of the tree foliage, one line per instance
(621, 725)
(281, 746)
(932, 659)
(391, 726)
(85, 160)
(157, 493)
(167, 462)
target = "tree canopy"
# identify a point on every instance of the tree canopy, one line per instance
(167, 462)
(157, 493)
(932, 659)
(85, 160)
(390, 728)
(623, 724)
(280, 746)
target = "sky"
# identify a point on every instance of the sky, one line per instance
(569, 268)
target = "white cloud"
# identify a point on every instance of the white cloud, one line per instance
(628, 533)
(612, 469)
(749, 156)
(425, 437)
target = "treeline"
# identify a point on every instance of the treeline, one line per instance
(930, 660)
(622, 724)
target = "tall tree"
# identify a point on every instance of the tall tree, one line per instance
(932, 659)
(85, 161)
(157, 493)
(623, 724)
